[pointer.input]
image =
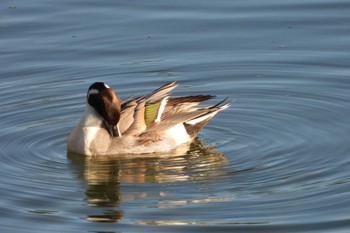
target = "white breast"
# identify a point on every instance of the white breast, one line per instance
(84, 133)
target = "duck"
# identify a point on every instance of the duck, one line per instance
(150, 123)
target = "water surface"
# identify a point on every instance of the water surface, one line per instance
(276, 161)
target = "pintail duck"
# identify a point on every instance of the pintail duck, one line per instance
(145, 124)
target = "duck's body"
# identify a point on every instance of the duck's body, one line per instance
(147, 124)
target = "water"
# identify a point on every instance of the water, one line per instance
(276, 161)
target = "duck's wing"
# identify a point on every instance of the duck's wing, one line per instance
(127, 114)
(193, 120)
(156, 102)
(138, 113)
(184, 104)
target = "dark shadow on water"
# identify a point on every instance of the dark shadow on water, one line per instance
(105, 175)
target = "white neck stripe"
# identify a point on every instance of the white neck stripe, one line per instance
(93, 91)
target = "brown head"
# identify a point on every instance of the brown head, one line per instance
(105, 101)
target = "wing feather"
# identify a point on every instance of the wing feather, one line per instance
(145, 110)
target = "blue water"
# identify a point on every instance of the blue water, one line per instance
(276, 161)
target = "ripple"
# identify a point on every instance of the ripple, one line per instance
(276, 161)
(280, 146)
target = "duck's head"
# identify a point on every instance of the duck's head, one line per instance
(105, 101)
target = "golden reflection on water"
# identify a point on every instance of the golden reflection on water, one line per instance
(103, 175)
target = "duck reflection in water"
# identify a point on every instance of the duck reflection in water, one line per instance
(104, 175)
